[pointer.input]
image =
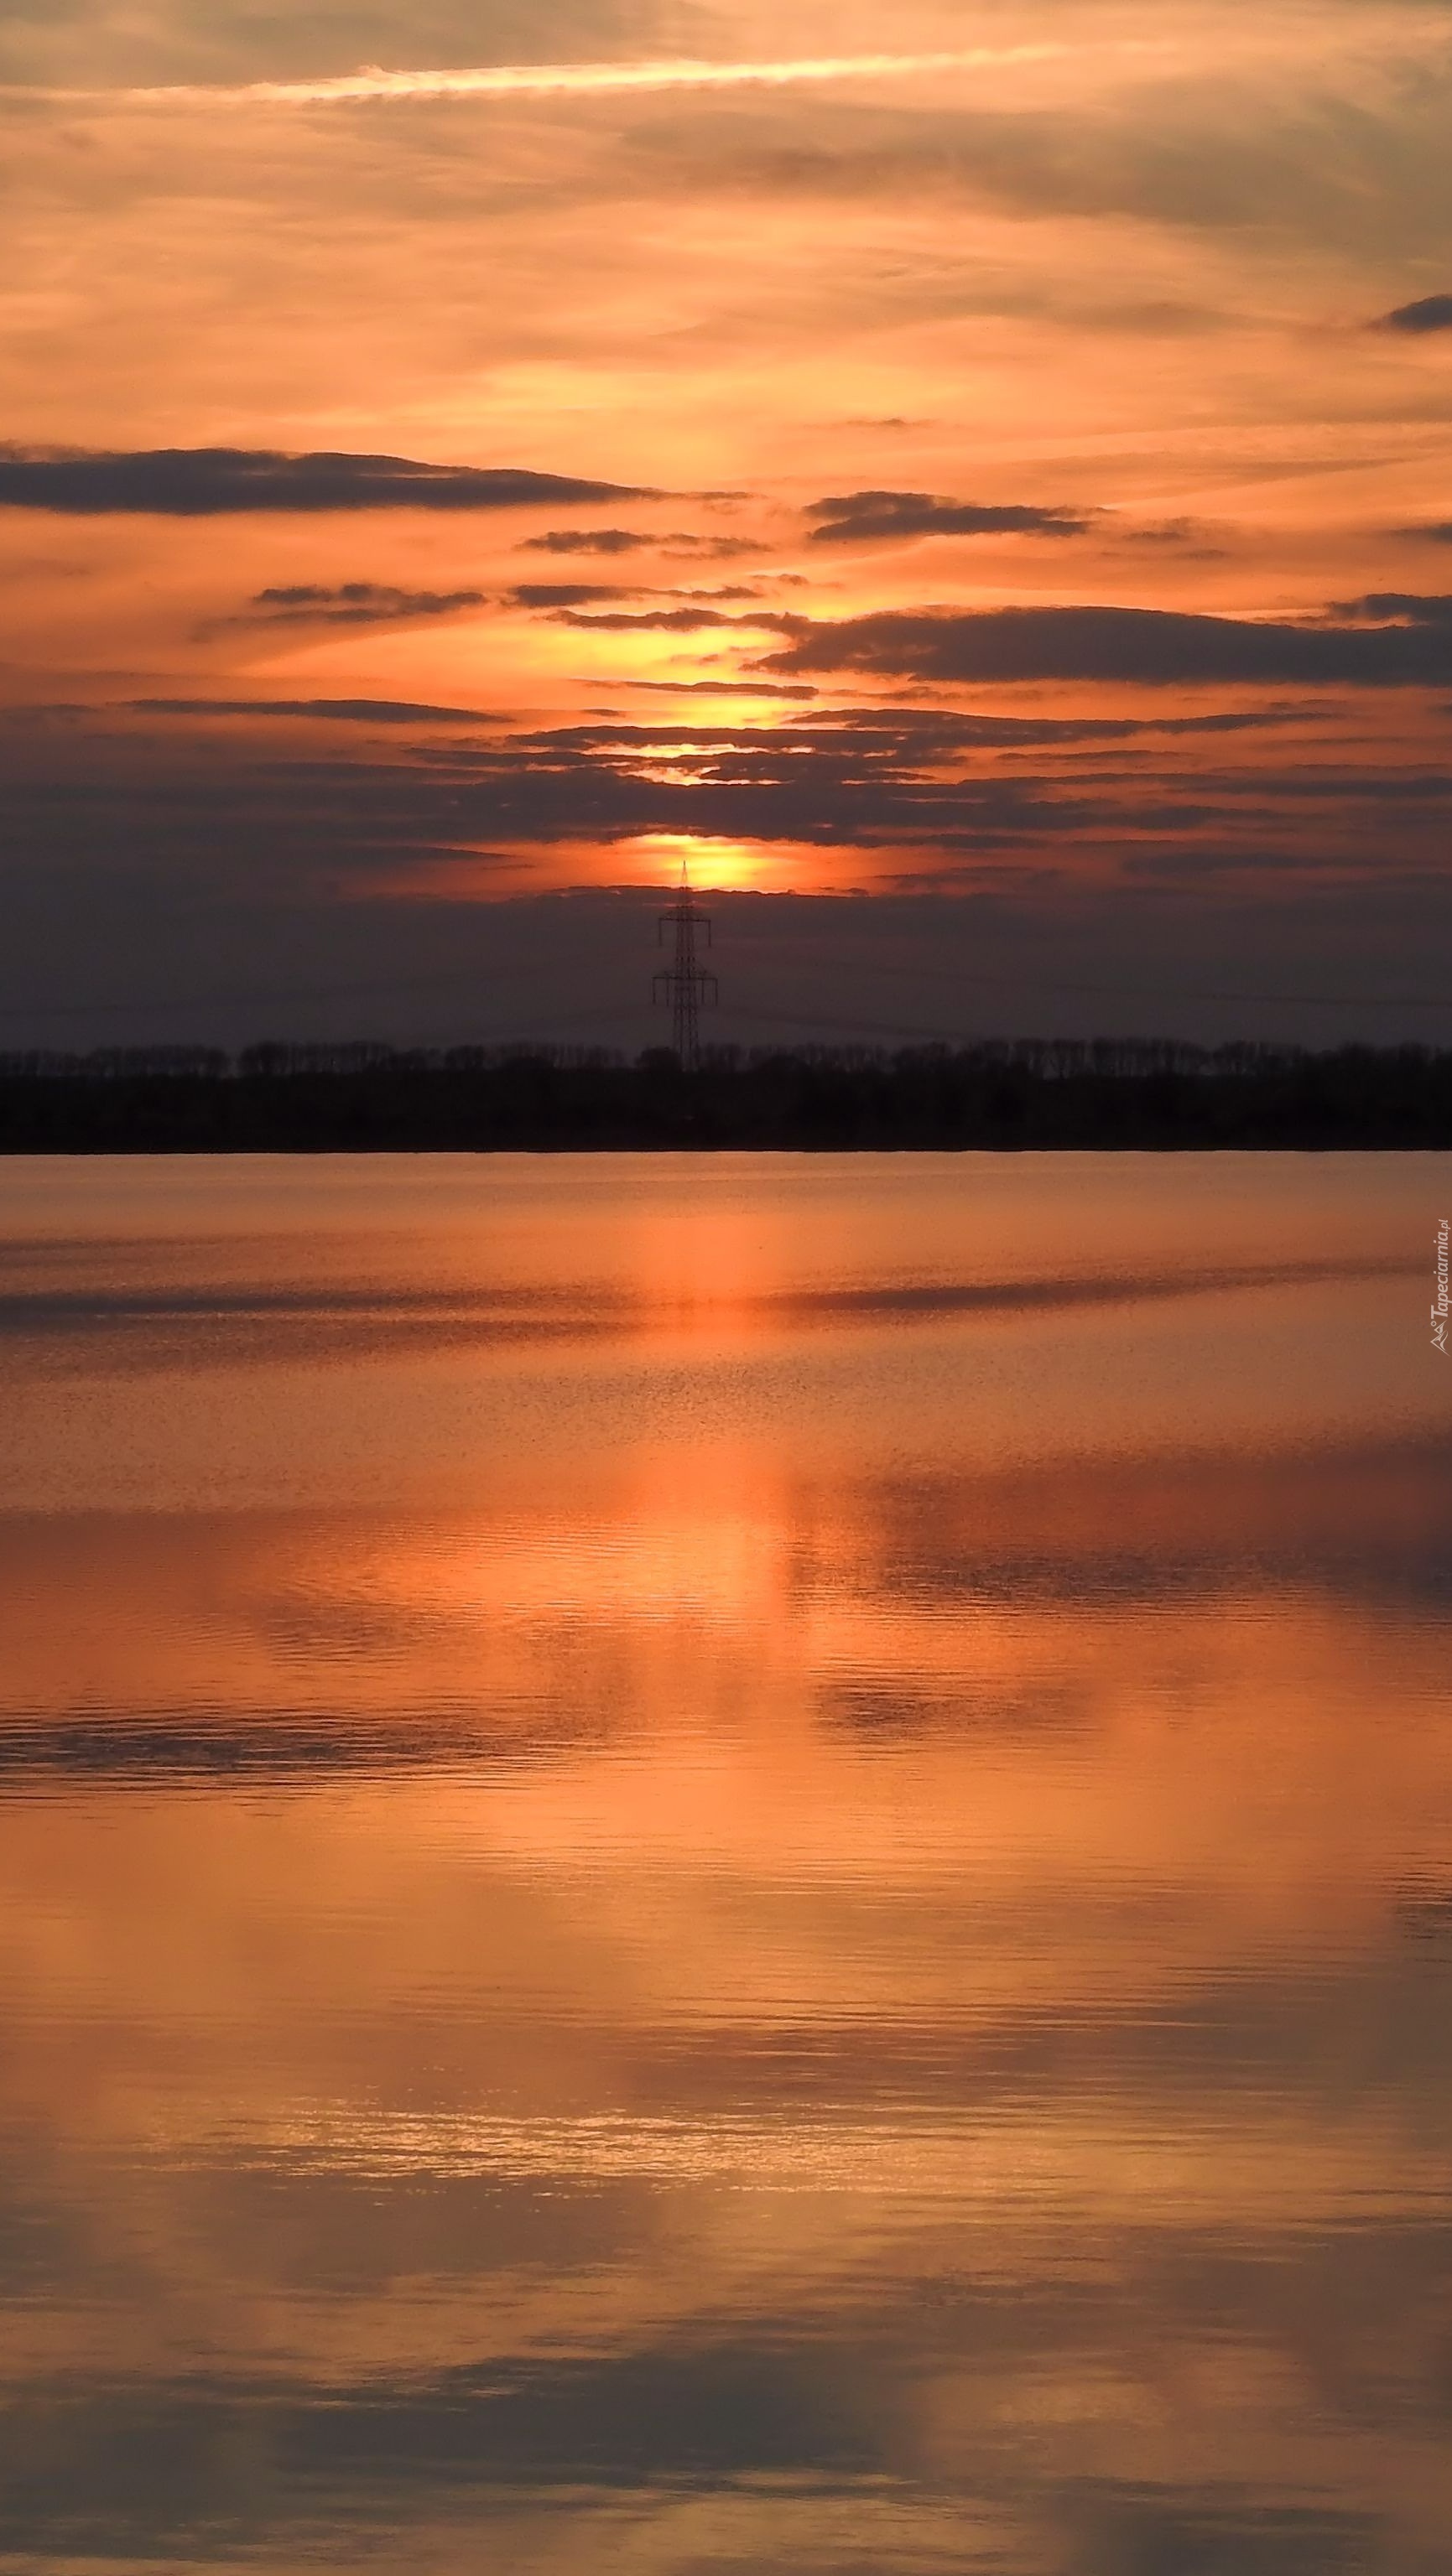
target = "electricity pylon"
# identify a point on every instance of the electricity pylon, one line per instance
(687, 987)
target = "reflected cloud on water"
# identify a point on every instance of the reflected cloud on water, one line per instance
(748, 1981)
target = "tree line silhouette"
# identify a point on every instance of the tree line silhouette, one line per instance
(1149, 1093)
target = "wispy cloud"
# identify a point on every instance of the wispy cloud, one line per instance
(352, 603)
(543, 80)
(739, 688)
(588, 541)
(677, 544)
(578, 594)
(677, 621)
(875, 518)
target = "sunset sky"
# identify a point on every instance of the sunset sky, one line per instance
(977, 475)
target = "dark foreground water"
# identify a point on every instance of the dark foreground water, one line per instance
(726, 1865)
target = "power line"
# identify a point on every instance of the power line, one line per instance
(304, 994)
(456, 977)
(1029, 982)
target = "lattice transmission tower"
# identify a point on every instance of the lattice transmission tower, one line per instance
(688, 987)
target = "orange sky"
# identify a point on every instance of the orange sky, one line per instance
(1092, 315)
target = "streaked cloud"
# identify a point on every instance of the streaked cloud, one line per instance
(1428, 313)
(875, 779)
(678, 543)
(587, 80)
(1400, 608)
(743, 688)
(1143, 647)
(579, 594)
(361, 711)
(674, 621)
(877, 518)
(215, 482)
(352, 603)
(564, 594)
(588, 541)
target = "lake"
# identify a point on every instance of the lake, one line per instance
(726, 1865)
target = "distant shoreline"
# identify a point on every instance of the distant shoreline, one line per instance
(1033, 1095)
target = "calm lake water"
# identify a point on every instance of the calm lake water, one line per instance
(737, 1864)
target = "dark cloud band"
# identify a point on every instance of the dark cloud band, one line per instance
(365, 711)
(216, 482)
(352, 603)
(1147, 647)
(874, 518)
(1429, 313)
(871, 778)
(674, 621)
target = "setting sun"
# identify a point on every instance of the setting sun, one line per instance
(709, 863)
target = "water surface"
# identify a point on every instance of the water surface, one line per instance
(728, 1864)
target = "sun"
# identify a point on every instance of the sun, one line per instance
(709, 862)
